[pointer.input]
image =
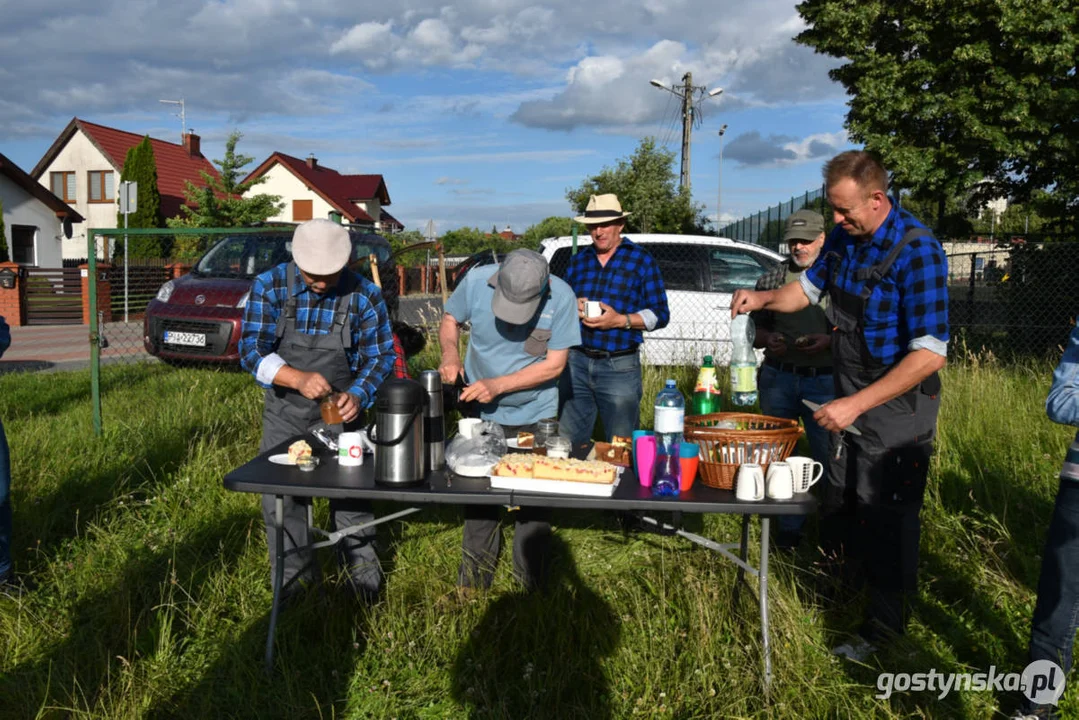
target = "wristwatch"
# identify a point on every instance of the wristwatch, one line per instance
(629, 323)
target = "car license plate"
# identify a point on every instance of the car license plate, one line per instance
(184, 338)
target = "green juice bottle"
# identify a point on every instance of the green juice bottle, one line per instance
(707, 397)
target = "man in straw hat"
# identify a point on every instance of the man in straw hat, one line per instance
(523, 324)
(311, 329)
(604, 375)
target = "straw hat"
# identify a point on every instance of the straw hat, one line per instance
(602, 209)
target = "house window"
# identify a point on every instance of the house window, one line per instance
(22, 244)
(101, 186)
(302, 210)
(62, 185)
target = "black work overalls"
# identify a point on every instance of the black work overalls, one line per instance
(287, 413)
(872, 502)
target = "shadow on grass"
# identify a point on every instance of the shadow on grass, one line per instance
(52, 518)
(539, 655)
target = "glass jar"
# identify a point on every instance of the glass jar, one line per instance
(558, 447)
(546, 428)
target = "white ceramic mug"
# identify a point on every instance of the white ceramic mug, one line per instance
(349, 449)
(780, 481)
(749, 483)
(806, 472)
(468, 427)
(592, 309)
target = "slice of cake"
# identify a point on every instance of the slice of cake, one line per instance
(297, 450)
(516, 465)
(623, 442)
(614, 454)
(572, 470)
(525, 439)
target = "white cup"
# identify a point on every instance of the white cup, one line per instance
(468, 427)
(592, 309)
(349, 449)
(749, 483)
(806, 472)
(780, 481)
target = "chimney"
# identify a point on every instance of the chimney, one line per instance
(312, 161)
(192, 144)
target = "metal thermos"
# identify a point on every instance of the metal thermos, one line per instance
(434, 421)
(398, 432)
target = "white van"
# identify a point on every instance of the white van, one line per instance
(700, 274)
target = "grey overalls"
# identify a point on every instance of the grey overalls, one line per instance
(288, 413)
(877, 482)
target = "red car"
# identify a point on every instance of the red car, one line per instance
(197, 317)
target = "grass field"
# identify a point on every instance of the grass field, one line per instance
(153, 584)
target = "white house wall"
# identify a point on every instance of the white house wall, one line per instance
(280, 181)
(22, 208)
(80, 156)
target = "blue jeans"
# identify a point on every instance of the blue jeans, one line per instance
(1056, 614)
(5, 506)
(611, 386)
(781, 395)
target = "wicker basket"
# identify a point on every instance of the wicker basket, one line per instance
(762, 439)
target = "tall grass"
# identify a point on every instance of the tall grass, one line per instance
(153, 582)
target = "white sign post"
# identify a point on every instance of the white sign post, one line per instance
(129, 195)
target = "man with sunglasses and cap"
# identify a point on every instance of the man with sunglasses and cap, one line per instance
(604, 371)
(797, 352)
(523, 325)
(313, 328)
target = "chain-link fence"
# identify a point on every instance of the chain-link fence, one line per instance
(766, 227)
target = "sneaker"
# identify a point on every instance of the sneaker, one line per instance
(859, 649)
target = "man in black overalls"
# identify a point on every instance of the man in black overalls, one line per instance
(312, 328)
(886, 280)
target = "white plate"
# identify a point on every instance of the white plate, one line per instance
(555, 487)
(281, 459)
(473, 470)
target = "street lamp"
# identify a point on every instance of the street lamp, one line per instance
(719, 191)
(685, 92)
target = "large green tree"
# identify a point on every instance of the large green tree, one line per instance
(979, 95)
(221, 203)
(647, 185)
(140, 166)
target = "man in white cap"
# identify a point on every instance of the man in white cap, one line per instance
(523, 323)
(312, 329)
(605, 370)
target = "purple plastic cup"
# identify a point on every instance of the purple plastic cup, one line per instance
(644, 452)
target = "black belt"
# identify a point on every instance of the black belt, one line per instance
(604, 354)
(803, 370)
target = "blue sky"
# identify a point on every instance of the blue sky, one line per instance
(480, 113)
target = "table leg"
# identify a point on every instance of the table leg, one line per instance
(278, 576)
(763, 578)
(743, 553)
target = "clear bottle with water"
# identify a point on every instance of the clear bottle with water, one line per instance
(743, 362)
(669, 423)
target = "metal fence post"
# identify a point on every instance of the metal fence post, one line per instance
(95, 329)
(970, 289)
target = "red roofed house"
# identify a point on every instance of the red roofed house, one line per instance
(84, 163)
(310, 190)
(36, 221)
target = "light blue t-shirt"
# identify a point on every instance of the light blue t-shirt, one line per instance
(498, 348)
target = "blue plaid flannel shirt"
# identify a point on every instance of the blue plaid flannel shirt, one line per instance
(371, 355)
(629, 283)
(911, 302)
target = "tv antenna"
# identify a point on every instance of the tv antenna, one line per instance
(182, 115)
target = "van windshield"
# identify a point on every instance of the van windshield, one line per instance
(245, 256)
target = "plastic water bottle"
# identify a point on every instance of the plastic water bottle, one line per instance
(743, 362)
(706, 394)
(670, 419)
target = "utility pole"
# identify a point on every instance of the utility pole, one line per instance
(685, 92)
(687, 128)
